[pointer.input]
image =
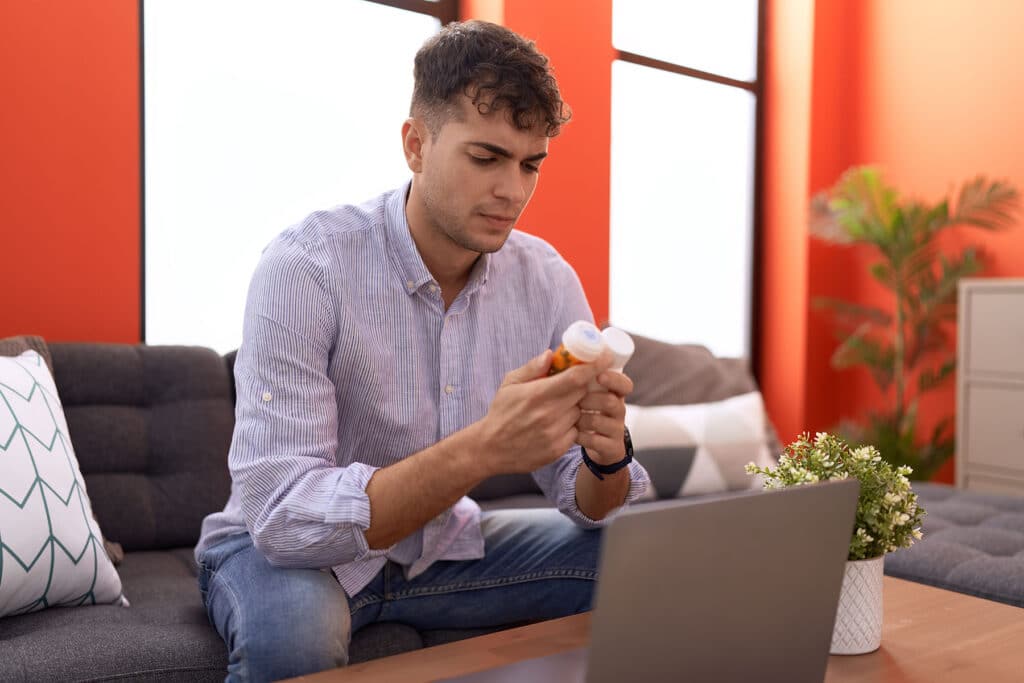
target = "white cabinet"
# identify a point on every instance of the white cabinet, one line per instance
(990, 386)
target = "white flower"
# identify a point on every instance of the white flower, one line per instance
(862, 453)
(893, 498)
(916, 533)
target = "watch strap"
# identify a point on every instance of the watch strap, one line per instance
(601, 470)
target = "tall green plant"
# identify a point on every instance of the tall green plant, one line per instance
(913, 337)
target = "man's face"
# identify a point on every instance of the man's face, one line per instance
(477, 176)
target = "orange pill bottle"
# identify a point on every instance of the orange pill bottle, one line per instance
(581, 343)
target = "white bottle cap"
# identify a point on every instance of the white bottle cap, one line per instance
(620, 344)
(583, 340)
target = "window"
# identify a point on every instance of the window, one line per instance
(684, 109)
(257, 112)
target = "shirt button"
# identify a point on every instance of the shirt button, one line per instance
(449, 389)
(433, 288)
(410, 284)
(267, 396)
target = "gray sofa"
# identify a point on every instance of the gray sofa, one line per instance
(151, 428)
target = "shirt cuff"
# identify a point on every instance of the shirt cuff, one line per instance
(638, 483)
(350, 507)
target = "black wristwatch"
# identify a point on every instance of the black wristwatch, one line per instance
(601, 470)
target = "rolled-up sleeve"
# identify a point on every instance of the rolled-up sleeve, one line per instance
(300, 507)
(558, 482)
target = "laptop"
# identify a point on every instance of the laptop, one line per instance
(739, 587)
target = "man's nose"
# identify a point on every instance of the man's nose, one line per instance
(511, 186)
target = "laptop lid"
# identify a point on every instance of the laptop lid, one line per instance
(739, 587)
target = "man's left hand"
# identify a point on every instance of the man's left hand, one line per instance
(601, 425)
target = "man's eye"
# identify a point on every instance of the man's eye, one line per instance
(531, 168)
(483, 161)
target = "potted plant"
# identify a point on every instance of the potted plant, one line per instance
(888, 518)
(908, 347)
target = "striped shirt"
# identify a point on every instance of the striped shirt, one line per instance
(350, 362)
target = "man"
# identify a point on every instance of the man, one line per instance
(389, 364)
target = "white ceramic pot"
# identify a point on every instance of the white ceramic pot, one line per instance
(858, 626)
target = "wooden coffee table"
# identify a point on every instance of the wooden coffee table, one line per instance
(928, 635)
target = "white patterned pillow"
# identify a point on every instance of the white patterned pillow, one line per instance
(702, 447)
(51, 552)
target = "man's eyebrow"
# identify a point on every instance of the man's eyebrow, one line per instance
(502, 152)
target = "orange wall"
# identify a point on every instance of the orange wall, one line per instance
(785, 176)
(69, 169)
(931, 113)
(570, 208)
(938, 112)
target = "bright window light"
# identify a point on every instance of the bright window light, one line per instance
(682, 191)
(258, 112)
(718, 36)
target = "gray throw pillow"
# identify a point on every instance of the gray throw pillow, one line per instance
(667, 374)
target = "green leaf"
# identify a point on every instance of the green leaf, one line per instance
(858, 349)
(986, 205)
(853, 313)
(930, 378)
(864, 206)
(884, 273)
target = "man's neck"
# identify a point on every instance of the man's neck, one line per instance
(448, 263)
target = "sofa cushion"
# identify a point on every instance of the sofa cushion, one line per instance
(152, 427)
(697, 376)
(51, 550)
(15, 346)
(164, 635)
(973, 543)
(700, 448)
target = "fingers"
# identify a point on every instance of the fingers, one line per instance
(601, 448)
(571, 381)
(601, 424)
(616, 382)
(604, 402)
(532, 369)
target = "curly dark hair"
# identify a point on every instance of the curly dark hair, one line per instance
(496, 68)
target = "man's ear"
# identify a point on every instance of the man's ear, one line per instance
(413, 140)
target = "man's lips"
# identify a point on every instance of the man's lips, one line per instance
(498, 217)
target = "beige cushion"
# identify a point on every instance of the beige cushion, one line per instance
(700, 448)
(682, 374)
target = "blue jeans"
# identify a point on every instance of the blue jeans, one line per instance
(279, 623)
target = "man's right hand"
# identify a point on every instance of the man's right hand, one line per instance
(532, 418)
(531, 422)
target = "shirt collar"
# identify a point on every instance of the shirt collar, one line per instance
(407, 257)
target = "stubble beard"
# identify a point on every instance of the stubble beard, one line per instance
(455, 229)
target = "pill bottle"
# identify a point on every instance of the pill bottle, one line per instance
(581, 343)
(620, 344)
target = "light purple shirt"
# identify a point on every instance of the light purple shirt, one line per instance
(350, 362)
